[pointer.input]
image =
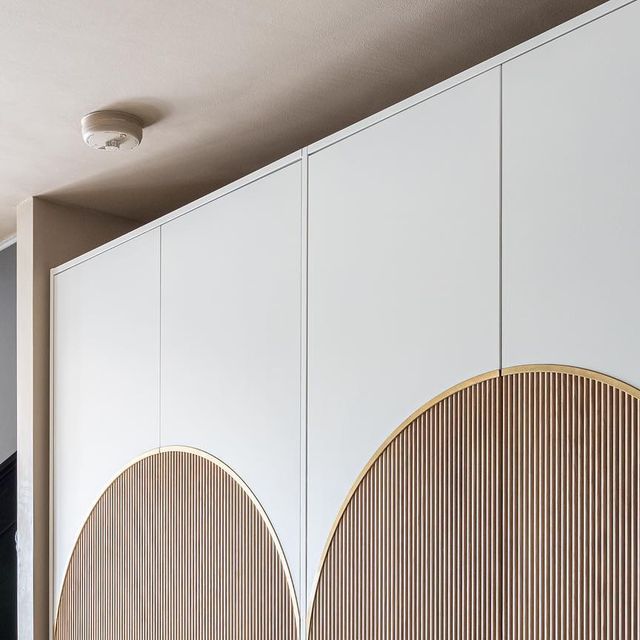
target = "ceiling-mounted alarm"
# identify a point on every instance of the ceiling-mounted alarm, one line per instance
(111, 130)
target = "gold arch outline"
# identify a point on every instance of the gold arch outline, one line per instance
(156, 451)
(469, 382)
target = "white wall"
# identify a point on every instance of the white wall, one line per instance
(7, 352)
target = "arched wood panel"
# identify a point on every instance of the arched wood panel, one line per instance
(507, 508)
(415, 553)
(177, 548)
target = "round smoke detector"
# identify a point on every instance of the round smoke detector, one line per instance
(111, 130)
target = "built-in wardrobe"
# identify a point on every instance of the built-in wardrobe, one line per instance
(386, 387)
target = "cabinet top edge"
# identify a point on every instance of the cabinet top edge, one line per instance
(477, 70)
(468, 74)
(177, 213)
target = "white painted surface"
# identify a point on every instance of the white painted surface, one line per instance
(106, 379)
(184, 210)
(572, 200)
(231, 281)
(403, 279)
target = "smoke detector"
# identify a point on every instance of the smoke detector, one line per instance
(111, 130)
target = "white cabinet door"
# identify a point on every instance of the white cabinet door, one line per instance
(106, 371)
(572, 200)
(403, 279)
(231, 318)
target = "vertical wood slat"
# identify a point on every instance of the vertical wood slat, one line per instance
(509, 509)
(176, 548)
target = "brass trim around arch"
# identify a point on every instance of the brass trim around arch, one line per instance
(498, 373)
(234, 476)
(574, 371)
(483, 377)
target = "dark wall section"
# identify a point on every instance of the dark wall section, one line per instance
(8, 562)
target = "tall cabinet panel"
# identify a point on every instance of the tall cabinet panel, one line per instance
(403, 279)
(106, 355)
(231, 332)
(572, 200)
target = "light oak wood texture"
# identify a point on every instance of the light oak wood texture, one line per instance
(570, 507)
(416, 550)
(177, 548)
(506, 508)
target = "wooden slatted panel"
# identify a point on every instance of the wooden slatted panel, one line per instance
(570, 508)
(176, 548)
(415, 553)
(227, 580)
(112, 555)
(509, 509)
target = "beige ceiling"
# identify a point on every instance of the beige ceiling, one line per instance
(225, 86)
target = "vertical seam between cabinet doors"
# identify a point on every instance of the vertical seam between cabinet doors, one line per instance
(500, 224)
(475, 71)
(160, 338)
(571, 30)
(221, 192)
(160, 497)
(500, 604)
(304, 386)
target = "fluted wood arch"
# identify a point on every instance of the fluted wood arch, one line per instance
(177, 547)
(505, 508)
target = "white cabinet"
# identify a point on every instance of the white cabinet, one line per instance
(231, 333)
(403, 279)
(106, 354)
(571, 205)
(194, 333)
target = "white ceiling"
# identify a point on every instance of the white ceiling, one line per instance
(225, 86)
